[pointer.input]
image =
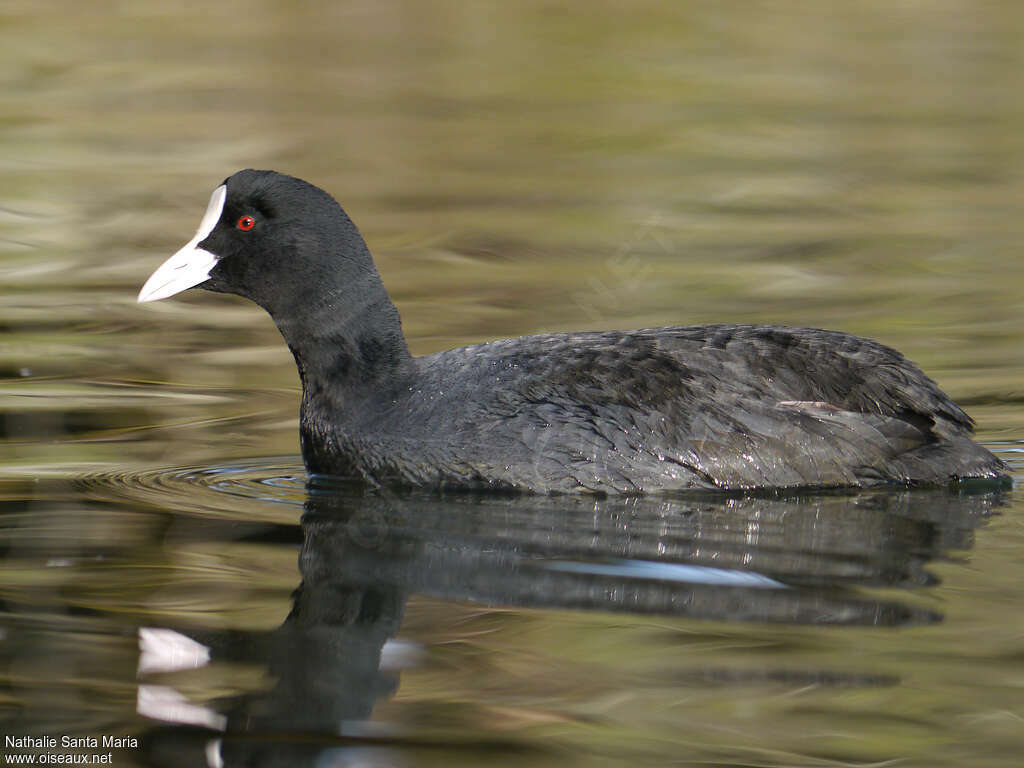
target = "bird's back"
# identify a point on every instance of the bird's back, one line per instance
(723, 406)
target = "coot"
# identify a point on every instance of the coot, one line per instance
(703, 407)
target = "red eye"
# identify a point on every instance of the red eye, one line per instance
(246, 223)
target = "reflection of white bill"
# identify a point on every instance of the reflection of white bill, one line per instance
(161, 702)
(164, 650)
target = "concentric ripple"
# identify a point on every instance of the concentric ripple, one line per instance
(271, 489)
(1010, 451)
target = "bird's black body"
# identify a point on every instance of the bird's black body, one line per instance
(721, 406)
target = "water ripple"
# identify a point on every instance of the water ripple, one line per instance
(269, 488)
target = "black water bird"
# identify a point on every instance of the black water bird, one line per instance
(702, 407)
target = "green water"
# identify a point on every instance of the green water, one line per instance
(515, 168)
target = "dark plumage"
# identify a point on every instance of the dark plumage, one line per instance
(720, 406)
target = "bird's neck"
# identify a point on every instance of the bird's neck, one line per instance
(348, 344)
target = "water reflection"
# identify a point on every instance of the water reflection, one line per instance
(795, 560)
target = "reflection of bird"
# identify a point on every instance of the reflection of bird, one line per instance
(722, 406)
(336, 656)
